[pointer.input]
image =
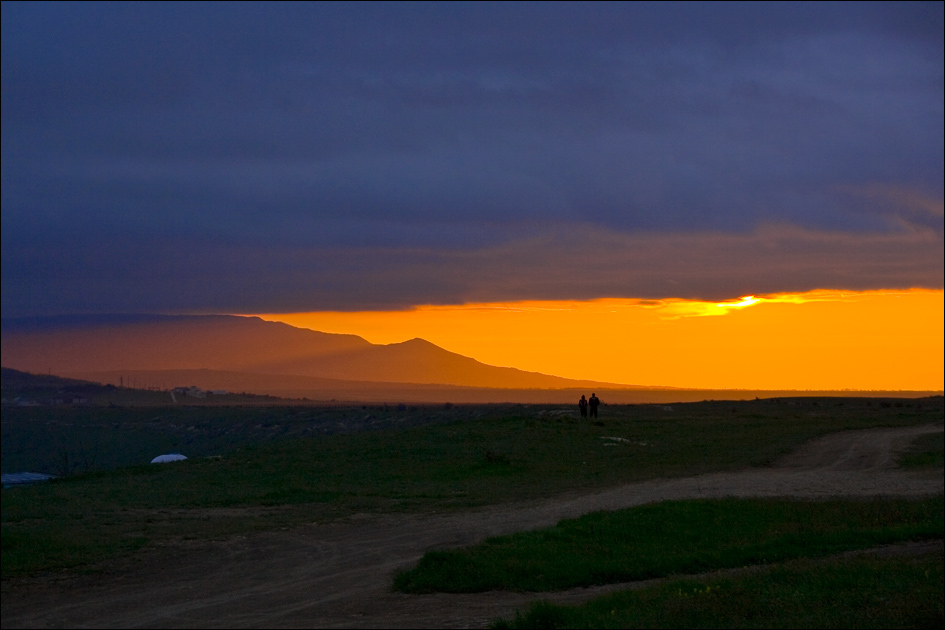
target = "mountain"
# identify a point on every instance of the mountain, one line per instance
(14, 383)
(85, 345)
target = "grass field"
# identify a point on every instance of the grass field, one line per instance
(445, 458)
(106, 437)
(98, 438)
(672, 538)
(856, 592)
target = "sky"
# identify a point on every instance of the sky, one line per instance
(380, 158)
(825, 339)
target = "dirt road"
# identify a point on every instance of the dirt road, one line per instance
(339, 574)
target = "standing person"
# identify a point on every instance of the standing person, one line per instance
(593, 402)
(583, 405)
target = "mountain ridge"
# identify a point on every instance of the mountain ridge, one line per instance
(90, 344)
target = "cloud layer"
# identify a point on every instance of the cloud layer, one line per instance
(305, 157)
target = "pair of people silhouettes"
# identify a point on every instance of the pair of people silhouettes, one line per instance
(589, 404)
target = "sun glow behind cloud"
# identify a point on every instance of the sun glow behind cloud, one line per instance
(815, 340)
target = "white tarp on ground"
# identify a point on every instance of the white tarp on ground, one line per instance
(172, 457)
(17, 479)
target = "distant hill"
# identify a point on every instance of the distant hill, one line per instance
(24, 388)
(16, 383)
(86, 345)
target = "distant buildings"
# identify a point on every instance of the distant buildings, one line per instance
(195, 392)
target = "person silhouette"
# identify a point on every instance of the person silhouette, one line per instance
(582, 404)
(592, 403)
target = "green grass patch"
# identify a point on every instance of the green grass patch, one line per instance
(68, 440)
(860, 592)
(673, 537)
(926, 451)
(302, 467)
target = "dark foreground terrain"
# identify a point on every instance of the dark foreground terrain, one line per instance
(310, 531)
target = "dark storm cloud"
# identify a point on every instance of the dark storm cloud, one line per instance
(255, 157)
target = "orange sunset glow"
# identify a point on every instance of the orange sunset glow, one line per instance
(813, 340)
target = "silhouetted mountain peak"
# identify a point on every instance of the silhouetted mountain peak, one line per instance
(243, 344)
